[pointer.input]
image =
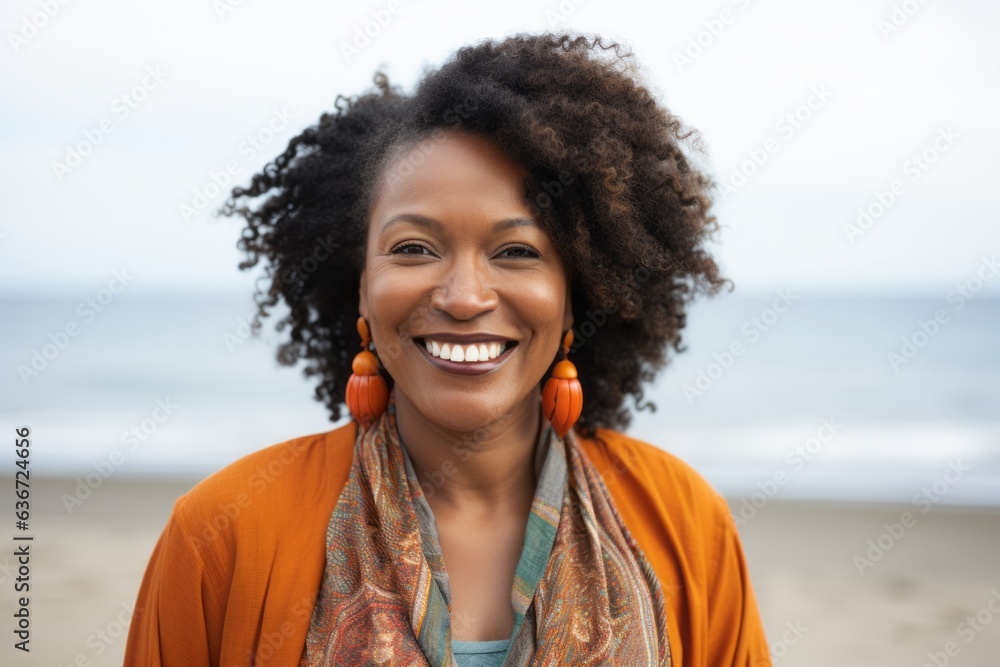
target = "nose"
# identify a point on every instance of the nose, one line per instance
(466, 288)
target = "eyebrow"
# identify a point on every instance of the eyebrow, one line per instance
(434, 225)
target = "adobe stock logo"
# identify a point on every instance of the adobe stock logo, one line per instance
(927, 329)
(31, 24)
(363, 36)
(712, 30)
(752, 329)
(42, 357)
(122, 108)
(787, 126)
(883, 199)
(923, 501)
(222, 178)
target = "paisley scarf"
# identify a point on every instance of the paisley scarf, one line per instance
(583, 593)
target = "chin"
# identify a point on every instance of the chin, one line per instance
(464, 412)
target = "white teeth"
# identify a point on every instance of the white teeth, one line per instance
(465, 353)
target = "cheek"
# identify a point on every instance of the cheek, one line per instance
(397, 303)
(541, 305)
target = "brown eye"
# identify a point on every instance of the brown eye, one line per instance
(404, 249)
(519, 251)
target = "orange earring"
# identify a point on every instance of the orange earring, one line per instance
(367, 393)
(562, 397)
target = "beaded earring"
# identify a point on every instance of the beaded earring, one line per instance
(562, 397)
(367, 393)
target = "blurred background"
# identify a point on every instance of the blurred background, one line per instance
(852, 378)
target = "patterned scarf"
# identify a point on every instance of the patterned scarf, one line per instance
(583, 593)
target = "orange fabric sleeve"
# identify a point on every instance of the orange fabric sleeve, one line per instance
(734, 622)
(168, 626)
(233, 578)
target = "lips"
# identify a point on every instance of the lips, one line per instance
(466, 352)
(469, 358)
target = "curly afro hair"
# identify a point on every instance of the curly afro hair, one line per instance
(609, 181)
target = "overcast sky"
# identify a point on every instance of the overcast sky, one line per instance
(161, 94)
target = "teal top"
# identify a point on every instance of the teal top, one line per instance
(480, 654)
(539, 537)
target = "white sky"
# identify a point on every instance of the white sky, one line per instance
(224, 77)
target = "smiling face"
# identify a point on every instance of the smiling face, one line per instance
(456, 266)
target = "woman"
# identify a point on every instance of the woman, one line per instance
(482, 271)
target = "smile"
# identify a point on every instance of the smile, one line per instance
(472, 359)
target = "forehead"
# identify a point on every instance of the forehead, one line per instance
(450, 171)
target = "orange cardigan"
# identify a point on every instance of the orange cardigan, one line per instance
(232, 579)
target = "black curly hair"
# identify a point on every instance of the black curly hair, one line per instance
(609, 181)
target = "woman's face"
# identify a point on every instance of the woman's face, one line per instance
(455, 259)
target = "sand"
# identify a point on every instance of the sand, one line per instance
(907, 607)
(903, 599)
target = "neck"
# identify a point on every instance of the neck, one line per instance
(490, 470)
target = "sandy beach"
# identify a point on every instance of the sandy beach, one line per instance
(837, 584)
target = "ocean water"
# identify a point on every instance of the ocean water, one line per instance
(792, 398)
